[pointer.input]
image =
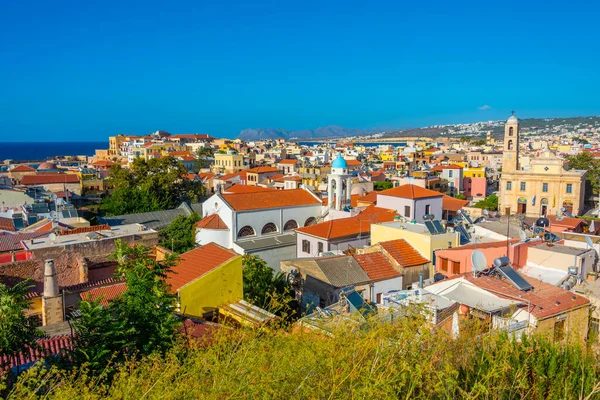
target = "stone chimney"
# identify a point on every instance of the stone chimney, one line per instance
(52, 301)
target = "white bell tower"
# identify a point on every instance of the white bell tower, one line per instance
(339, 184)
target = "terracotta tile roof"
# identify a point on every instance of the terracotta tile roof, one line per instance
(289, 162)
(443, 167)
(292, 178)
(40, 226)
(377, 266)
(212, 222)
(337, 228)
(22, 168)
(46, 347)
(353, 163)
(247, 189)
(205, 176)
(13, 241)
(187, 158)
(7, 224)
(86, 229)
(179, 153)
(41, 179)
(401, 251)
(570, 223)
(409, 191)
(227, 177)
(103, 163)
(270, 199)
(370, 197)
(377, 214)
(546, 299)
(262, 170)
(196, 263)
(105, 293)
(453, 204)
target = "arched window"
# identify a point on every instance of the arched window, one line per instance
(269, 228)
(246, 231)
(510, 145)
(510, 131)
(310, 221)
(291, 224)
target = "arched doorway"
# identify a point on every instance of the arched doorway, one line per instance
(544, 207)
(568, 206)
(521, 205)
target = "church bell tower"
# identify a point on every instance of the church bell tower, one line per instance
(510, 161)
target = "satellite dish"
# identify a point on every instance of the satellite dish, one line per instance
(522, 235)
(543, 221)
(486, 212)
(52, 237)
(478, 260)
(589, 242)
(563, 209)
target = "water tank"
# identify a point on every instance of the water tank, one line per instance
(501, 261)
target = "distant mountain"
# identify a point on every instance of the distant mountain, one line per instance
(318, 133)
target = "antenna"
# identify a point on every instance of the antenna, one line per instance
(479, 261)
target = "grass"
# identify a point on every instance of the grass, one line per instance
(406, 360)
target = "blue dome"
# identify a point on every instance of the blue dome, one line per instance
(339, 162)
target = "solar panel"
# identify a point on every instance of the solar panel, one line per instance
(431, 228)
(515, 278)
(469, 220)
(464, 235)
(438, 226)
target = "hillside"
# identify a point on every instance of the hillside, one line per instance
(318, 133)
(406, 359)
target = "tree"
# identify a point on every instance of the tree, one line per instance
(180, 235)
(150, 185)
(382, 185)
(460, 196)
(139, 322)
(490, 203)
(585, 161)
(204, 156)
(265, 289)
(18, 332)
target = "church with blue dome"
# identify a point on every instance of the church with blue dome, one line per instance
(339, 183)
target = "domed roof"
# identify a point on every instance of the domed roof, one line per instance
(512, 120)
(46, 165)
(339, 162)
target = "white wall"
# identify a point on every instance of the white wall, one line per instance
(385, 286)
(417, 206)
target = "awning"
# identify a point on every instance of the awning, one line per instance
(468, 295)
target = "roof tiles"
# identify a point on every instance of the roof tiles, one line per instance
(377, 266)
(270, 199)
(212, 222)
(410, 192)
(401, 251)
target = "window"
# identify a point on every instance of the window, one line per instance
(291, 224)
(559, 330)
(450, 173)
(444, 264)
(305, 246)
(427, 209)
(246, 231)
(510, 145)
(310, 221)
(509, 185)
(510, 131)
(455, 268)
(522, 186)
(569, 188)
(320, 247)
(545, 187)
(269, 228)
(407, 211)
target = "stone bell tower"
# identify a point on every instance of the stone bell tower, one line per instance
(510, 161)
(52, 301)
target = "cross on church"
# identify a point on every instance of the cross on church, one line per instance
(513, 112)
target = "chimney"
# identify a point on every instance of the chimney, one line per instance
(52, 301)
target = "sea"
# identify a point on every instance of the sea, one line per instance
(37, 151)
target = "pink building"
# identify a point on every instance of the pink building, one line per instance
(475, 188)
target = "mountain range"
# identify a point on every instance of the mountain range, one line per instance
(318, 133)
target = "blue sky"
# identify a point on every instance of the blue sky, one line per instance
(84, 70)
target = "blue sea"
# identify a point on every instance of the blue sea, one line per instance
(34, 151)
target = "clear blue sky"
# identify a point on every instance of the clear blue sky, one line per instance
(84, 70)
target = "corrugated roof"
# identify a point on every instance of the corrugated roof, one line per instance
(195, 263)
(401, 251)
(377, 266)
(270, 199)
(342, 271)
(409, 191)
(154, 219)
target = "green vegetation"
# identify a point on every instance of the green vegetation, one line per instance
(138, 323)
(490, 203)
(17, 330)
(406, 359)
(460, 196)
(378, 186)
(203, 154)
(180, 235)
(586, 161)
(265, 289)
(156, 184)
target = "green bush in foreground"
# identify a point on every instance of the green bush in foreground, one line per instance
(406, 359)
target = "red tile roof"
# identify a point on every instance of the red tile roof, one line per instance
(570, 223)
(262, 170)
(103, 163)
(22, 168)
(42, 179)
(353, 163)
(105, 293)
(546, 299)
(453, 204)
(212, 222)
(270, 199)
(227, 177)
(196, 263)
(13, 241)
(404, 254)
(86, 229)
(205, 176)
(7, 224)
(337, 228)
(289, 162)
(247, 189)
(46, 347)
(370, 197)
(409, 191)
(443, 167)
(377, 266)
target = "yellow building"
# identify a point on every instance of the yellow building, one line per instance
(388, 155)
(545, 187)
(416, 235)
(228, 162)
(205, 279)
(114, 145)
(472, 172)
